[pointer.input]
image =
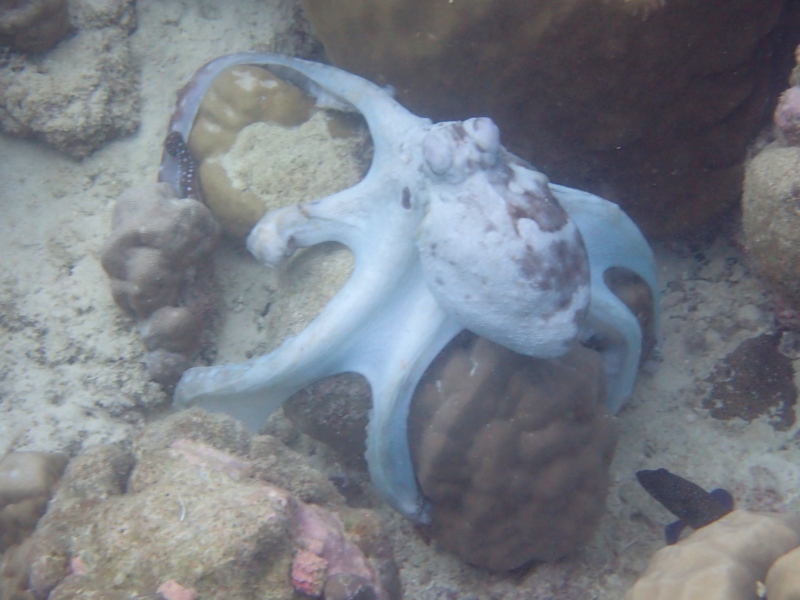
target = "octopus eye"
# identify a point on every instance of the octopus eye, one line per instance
(406, 200)
(437, 148)
(484, 132)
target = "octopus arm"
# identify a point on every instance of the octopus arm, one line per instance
(612, 239)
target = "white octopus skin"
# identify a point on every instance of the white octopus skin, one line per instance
(449, 232)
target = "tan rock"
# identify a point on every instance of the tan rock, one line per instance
(722, 561)
(771, 217)
(783, 578)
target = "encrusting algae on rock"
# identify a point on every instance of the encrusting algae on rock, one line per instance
(194, 506)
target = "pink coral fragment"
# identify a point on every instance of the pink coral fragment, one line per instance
(204, 455)
(172, 590)
(321, 532)
(77, 566)
(308, 573)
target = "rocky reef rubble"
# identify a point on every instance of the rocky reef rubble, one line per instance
(198, 507)
(81, 93)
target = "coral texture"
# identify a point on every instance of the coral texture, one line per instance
(649, 103)
(33, 25)
(244, 123)
(334, 411)
(180, 515)
(256, 174)
(449, 232)
(156, 259)
(770, 200)
(771, 221)
(787, 116)
(238, 97)
(722, 561)
(77, 109)
(27, 481)
(756, 379)
(512, 451)
(783, 578)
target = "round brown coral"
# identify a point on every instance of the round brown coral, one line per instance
(512, 451)
(652, 103)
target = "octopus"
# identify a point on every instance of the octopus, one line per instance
(449, 232)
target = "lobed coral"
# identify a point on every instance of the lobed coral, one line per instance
(156, 258)
(246, 120)
(27, 482)
(512, 451)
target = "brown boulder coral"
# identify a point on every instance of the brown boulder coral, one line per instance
(157, 259)
(27, 481)
(650, 104)
(512, 451)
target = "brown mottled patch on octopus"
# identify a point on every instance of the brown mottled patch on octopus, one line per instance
(565, 271)
(547, 212)
(543, 209)
(531, 264)
(405, 201)
(459, 133)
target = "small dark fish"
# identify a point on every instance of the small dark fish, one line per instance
(689, 502)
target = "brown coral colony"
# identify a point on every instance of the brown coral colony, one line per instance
(156, 259)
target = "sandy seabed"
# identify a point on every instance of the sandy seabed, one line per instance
(71, 363)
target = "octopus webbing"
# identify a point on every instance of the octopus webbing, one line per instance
(449, 231)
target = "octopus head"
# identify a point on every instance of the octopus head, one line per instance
(455, 150)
